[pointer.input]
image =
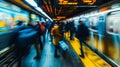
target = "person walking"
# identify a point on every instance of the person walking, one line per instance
(57, 37)
(82, 34)
(40, 30)
(72, 30)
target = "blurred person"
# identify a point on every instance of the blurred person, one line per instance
(72, 30)
(43, 27)
(62, 28)
(38, 41)
(48, 25)
(57, 37)
(67, 26)
(51, 30)
(20, 23)
(82, 34)
(25, 37)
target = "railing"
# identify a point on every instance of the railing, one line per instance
(7, 48)
(7, 56)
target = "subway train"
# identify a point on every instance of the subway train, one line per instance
(105, 31)
(10, 41)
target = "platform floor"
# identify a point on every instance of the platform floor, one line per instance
(91, 59)
(47, 58)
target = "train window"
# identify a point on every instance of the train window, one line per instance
(93, 23)
(10, 15)
(113, 22)
(4, 21)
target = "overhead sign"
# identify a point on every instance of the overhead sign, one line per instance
(67, 2)
(76, 2)
(89, 2)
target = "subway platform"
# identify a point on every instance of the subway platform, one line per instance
(72, 58)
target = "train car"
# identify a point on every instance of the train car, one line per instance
(112, 37)
(105, 33)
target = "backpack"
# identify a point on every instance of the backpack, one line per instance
(42, 28)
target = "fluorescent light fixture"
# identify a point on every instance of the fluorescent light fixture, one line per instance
(76, 17)
(39, 9)
(33, 3)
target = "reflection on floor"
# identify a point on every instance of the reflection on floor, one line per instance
(91, 59)
(47, 58)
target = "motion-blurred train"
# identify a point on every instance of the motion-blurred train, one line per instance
(104, 24)
(10, 16)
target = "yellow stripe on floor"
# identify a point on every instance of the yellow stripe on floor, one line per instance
(91, 59)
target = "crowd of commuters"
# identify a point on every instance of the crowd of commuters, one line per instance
(82, 33)
(57, 29)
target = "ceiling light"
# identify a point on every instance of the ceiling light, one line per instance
(87, 1)
(33, 3)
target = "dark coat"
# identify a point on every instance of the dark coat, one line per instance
(82, 32)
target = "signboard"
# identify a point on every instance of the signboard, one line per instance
(76, 2)
(67, 2)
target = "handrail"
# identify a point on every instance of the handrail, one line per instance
(6, 50)
(8, 54)
(8, 57)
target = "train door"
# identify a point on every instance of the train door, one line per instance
(113, 35)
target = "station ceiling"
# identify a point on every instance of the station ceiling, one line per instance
(67, 8)
(61, 9)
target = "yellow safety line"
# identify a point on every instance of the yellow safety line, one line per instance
(91, 59)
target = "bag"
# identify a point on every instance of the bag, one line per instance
(63, 45)
(42, 28)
